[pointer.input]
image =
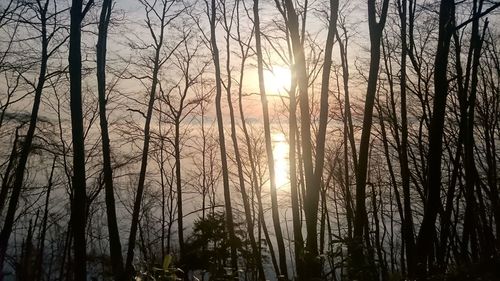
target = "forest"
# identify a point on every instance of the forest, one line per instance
(249, 140)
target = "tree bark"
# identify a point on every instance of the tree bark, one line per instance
(115, 247)
(222, 142)
(79, 196)
(7, 178)
(407, 227)
(360, 219)
(43, 231)
(157, 63)
(269, 149)
(313, 263)
(432, 203)
(28, 140)
(246, 202)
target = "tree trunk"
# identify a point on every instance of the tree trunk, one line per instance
(145, 147)
(114, 235)
(269, 149)
(294, 192)
(178, 184)
(432, 203)
(41, 246)
(7, 178)
(234, 138)
(407, 220)
(222, 144)
(349, 128)
(312, 260)
(79, 196)
(28, 140)
(360, 219)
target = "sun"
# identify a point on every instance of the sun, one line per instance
(277, 80)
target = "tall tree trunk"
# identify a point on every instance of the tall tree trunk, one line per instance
(349, 129)
(407, 220)
(313, 186)
(246, 202)
(472, 220)
(7, 178)
(256, 185)
(269, 148)
(360, 219)
(115, 247)
(178, 184)
(311, 196)
(28, 140)
(79, 196)
(157, 62)
(43, 231)
(294, 189)
(392, 178)
(432, 203)
(348, 135)
(222, 142)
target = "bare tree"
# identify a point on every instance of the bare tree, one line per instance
(180, 105)
(269, 148)
(41, 9)
(244, 49)
(158, 14)
(432, 201)
(359, 260)
(79, 198)
(212, 14)
(114, 236)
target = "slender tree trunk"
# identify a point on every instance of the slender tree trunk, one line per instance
(312, 260)
(79, 196)
(378, 243)
(203, 162)
(450, 193)
(348, 135)
(178, 183)
(426, 234)
(392, 179)
(359, 259)
(472, 218)
(246, 202)
(339, 232)
(66, 253)
(269, 149)
(294, 192)
(267, 237)
(161, 166)
(407, 220)
(28, 140)
(41, 246)
(255, 185)
(222, 144)
(145, 148)
(114, 236)
(349, 129)
(6, 181)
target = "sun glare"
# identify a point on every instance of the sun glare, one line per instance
(277, 80)
(281, 166)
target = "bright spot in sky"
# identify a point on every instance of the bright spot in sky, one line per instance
(281, 165)
(277, 80)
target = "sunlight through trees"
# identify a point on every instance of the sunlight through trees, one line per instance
(249, 140)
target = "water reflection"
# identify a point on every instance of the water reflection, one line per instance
(281, 164)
